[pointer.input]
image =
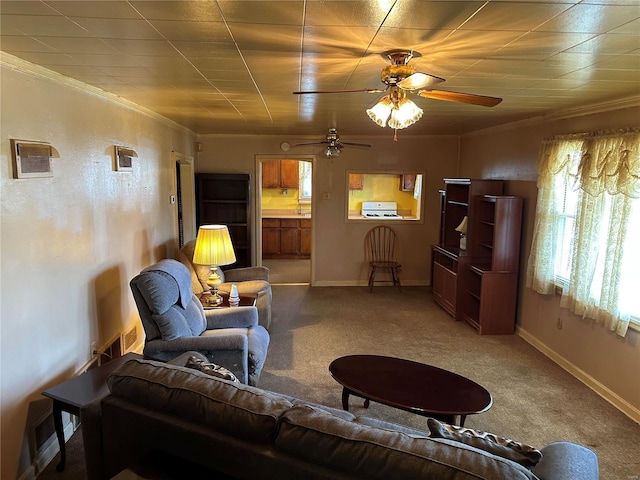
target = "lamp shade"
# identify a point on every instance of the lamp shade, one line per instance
(213, 246)
(462, 228)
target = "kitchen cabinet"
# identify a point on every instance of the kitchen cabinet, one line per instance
(280, 174)
(407, 182)
(286, 238)
(356, 181)
(226, 199)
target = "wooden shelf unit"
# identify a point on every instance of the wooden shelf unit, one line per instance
(225, 199)
(489, 283)
(447, 258)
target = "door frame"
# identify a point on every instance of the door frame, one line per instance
(188, 197)
(257, 187)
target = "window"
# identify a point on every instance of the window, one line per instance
(304, 184)
(588, 224)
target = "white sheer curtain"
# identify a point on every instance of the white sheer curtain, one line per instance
(603, 169)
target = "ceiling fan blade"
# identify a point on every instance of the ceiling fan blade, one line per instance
(419, 80)
(356, 144)
(469, 98)
(312, 143)
(361, 90)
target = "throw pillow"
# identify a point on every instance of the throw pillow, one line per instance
(518, 452)
(211, 369)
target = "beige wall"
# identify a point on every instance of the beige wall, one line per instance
(338, 253)
(71, 243)
(608, 363)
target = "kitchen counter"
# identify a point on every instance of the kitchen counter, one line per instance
(287, 214)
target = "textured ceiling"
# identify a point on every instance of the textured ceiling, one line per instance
(231, 66)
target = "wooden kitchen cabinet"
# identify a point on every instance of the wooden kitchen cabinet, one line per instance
(286, 238)
(280, 174)
(407, 182)
(305, 238)
(356, 181)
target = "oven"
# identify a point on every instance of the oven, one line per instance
(380, 211)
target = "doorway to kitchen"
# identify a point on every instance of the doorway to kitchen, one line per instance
(285, 222)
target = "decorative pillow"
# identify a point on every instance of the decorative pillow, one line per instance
(518, 452)
(211, 369)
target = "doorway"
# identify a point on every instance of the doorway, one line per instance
(184, 199)
(284, 213)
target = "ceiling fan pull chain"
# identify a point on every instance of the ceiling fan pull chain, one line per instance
(395, 134)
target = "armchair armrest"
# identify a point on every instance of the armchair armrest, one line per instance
(237, 317)
(166, 350)
(246, 274)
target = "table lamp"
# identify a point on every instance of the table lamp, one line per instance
(213, 248)
(462, 228)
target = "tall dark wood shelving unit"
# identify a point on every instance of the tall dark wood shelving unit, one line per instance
(225, 199)
(479, 284)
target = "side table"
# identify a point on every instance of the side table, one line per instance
(246, 300)
(70, 396)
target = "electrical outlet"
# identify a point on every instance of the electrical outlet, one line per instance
(559, 323)
(93, 347)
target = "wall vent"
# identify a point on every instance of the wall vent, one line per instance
(124, 158)
(31, 159)
(129, 339)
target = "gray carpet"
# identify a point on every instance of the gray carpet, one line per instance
(535, 401)
(288, 271)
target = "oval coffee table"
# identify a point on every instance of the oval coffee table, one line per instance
(415, 387)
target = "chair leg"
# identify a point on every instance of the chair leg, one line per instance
(396, 278)
(372, 274)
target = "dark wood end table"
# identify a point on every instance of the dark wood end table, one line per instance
(246, 300)
(70, 396)
(415, 387)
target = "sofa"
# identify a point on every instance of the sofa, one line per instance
(252, 281)
(230, 430)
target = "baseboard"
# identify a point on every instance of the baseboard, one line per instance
(614, 399)
(351, 283)
(47, 452)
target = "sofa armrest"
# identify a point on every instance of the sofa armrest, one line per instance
(237, 317)
(246, 274)
(566, 461)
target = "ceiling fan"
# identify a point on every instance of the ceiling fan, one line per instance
(334, 145)
(399, 78)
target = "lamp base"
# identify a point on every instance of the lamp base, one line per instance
(463, 242)
(212, 299)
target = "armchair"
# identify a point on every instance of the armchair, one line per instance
(175, 322)
(249, 280)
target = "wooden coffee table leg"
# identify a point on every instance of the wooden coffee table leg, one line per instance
(345, 398)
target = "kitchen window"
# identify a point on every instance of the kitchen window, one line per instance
(384, 196)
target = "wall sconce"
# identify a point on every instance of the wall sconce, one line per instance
(124, 158)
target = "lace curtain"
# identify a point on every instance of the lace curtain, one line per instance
(604, 169)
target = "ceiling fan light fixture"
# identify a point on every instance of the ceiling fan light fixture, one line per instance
(404, 114)
(332, 151)
(380, 112)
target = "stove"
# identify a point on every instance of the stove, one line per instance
(380, 211)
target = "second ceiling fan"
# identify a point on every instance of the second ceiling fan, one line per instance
(333, 143)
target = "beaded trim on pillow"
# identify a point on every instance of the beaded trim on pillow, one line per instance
(211, 369)
(521, 453)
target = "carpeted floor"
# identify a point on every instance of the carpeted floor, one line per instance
(535, 401)
(288, 271)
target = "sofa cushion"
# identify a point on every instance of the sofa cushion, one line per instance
(232, 408)
(490, 442)
(369, 452)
